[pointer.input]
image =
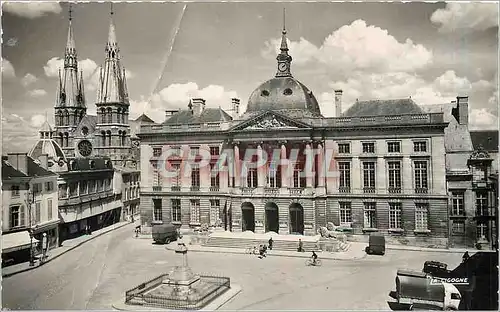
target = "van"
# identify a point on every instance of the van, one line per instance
(165, 233)
(376, 245)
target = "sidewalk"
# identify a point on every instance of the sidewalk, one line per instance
(67, 245)
(426, 249)
(356, 251)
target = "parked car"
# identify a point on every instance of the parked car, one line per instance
(165, 233)
(436, 268)
(376, 245)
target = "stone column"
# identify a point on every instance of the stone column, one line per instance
(381, 176)
(407, 176)
(356, 172)
(261, 170)
(309, 165)
(284, 167)
(236, 166)
(321, 166)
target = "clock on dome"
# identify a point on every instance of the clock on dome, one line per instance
(85, 148)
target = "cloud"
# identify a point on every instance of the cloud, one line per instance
(88, 66)
(449, 83)
(28, 79)
(466, 16)
(481, 119)
(177, 95)
(37, 120)
(32, 9)
(37, 93)
(358, 47)
(18, 135)
(8, 71)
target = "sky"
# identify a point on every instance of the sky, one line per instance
(431, 52)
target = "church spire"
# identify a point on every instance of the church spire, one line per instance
(284, 60)
(112, 84)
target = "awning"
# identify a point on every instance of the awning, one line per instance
(16, 241)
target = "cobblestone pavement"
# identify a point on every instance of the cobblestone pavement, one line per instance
(97, 274)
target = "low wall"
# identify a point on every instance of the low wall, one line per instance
(417, 241)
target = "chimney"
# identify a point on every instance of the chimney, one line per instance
(235, 107)
(338, 103)
(44, 161)
(19, 161)
(461, 112)
(198, 106)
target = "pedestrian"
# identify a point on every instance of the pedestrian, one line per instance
(271, 243)
(465, 257)
(300, 249)
(45, 245)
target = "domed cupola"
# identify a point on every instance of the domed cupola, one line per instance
(284, 93)
(47, 145)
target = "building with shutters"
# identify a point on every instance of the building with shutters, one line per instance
(377, 167)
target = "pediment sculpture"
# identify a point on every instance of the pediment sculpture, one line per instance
(480, 154)
(269, 123)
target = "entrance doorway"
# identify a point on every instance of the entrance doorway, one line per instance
(296, 219)
(272, 218)
(247, 217)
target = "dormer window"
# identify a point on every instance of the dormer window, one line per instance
(73, 165)
(288, 91)
(92, 164)
(264, 93)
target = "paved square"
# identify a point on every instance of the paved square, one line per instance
(98, 273)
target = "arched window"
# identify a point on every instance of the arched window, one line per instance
(66, 118)
(103, 138)
(108, 134)
(59, 118)
(110, 115)
(61, 139)
(119, 137)
(125, 116)
(124, 138)
(66, 139)
(103, 115)
(119, 115)
(81, 116)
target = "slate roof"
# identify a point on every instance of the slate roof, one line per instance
(35, 170)
(144, 118)
(10, 172)
(84, 163)
(487, 139)
(383, 108)
(208, 115)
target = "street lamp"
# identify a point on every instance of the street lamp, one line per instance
(31, 200)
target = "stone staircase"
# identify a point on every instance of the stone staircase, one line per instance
(243, 243)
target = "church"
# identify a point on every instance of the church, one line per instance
(378, 166)
(95, 157)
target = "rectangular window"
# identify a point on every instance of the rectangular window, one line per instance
(274, 175)
(214, 211)
(369, 176)
(176, 210)
(252, 177)
(92, 186)
(481, 204)
(421, 174)
(63, 191)
(49, 186)
(16, 216)
(345, 213)
(214, 175)
(157, 210)
(73, 189)
(100, 186)
(110, 184)
(394, 176)
(37, 188)
(370, 217)
(38, 212)
(157, 151)
(420, 146)
(298, 180)
(395, 215)
(394, 147)
(421, 217)
(368, 148)
(195, 176)
(83, 187)
(345, 176)
(344, 148)
(49, 209)
(15, 190)
(194, 212)
(457, 204)
(214, 151)
(482, 231)
(194, 151)
(176, 171)
(458, 227)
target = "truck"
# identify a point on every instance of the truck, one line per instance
(165, 233)
(419, 291)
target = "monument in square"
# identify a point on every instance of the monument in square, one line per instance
(180, 289)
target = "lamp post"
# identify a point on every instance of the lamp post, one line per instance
(31, 200)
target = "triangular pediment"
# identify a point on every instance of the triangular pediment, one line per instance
(270, 121)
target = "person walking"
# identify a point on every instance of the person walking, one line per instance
(270, 243)
(301, 246)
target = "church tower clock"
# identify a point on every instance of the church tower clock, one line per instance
(284, 59)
